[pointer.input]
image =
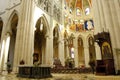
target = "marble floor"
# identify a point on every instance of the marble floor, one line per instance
(64, 77)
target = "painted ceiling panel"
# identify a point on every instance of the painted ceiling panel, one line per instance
(79, 4)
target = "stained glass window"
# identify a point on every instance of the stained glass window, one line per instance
(78, 13)
(87, 11)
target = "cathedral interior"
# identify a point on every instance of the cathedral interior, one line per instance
(67, 37)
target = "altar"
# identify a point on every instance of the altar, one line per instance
(34, 71)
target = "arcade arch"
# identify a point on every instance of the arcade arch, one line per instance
(92, 53)
(40, 34)
(81, 59)
(55, 42)
(10, 40)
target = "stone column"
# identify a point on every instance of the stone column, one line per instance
(68, 50)
(114, 9)
(17, 52)
(24, 42)
(75, 42)
(5, 53)
(3, 45)
(63, 58)
(108, 19)
(31, 29)
(101, 16)
(48, 56)
(109, 25)
(86, 55)
(96, 17)
(117, 26)
(1, 54)
(61, 51)
(51, 50)
(115, 21)
(28, 33)
(99, 23)
(117, 10)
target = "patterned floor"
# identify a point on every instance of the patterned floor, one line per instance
(64, 77)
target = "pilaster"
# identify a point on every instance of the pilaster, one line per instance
(114, 9)
(1, 54)
(115, 22)
(117, 10)
(109, 25)
(96, 17)
(49, 50)
(86, 55)
(102, 20)
(5, 54)
(61, 51)
(75, 42)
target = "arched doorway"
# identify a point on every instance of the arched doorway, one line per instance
(13, 32)
(55, 42)
(91, 48)
(40, 41)
(81, 60)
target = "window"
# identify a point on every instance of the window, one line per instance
(78, 13)
(87, 11)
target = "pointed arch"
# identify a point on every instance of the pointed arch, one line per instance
(87, 38)
(11, 31)
(80, 41)
(56, 31)
(13, 14)
(40, 39)
(81, 60)
(55, 42)
(90, 41)
(47, 24)
(80, 36)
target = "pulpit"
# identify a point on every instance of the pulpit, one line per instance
(106, 65)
